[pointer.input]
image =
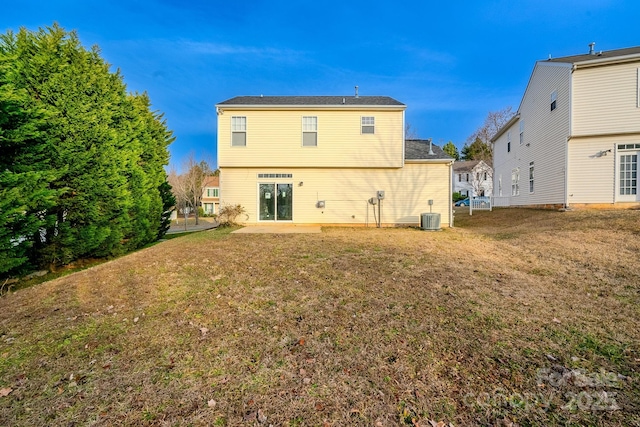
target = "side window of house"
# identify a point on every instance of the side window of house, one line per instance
(368, 124)
(509, 142)
(310, 131)
(238, 131)
(515, 184)
(521, 132)
(531, 177)
(554, 98)
(212, 192)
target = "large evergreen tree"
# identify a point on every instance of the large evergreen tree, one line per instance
(95, 153)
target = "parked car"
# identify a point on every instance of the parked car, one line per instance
(479, 200)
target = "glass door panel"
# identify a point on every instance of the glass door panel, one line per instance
(285, 202)
(628, 182)
(267, 202)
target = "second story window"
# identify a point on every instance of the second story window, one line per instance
(238, 131)
(521, 132)
(554, 98)
(309, 131)
(368, 124)
(212, 192)
(509, 142)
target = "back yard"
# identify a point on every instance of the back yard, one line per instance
(515, 317)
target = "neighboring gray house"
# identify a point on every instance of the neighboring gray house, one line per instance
(472, 178)
(575, 139)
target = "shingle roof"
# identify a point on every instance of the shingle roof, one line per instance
(312, 100)
(418, 149)
(465, 166)
(607, 54)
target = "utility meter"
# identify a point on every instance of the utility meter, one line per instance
(380, 194)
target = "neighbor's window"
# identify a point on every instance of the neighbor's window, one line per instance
(515, 185)
(212, 192)
(531, 177)
(238, 131)
(554, 97)
(368, 124)
(521, 132)
(309, 131)
(459, 177)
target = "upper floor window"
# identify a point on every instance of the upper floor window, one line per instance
(509, 142)
(238, 131)
(310, 131)
(521, 132)
(368, 124)
(554, 98)
(212, 192)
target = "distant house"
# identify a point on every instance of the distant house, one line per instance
(326, 160)
(472, 178)
(211, 195)
(575, 139)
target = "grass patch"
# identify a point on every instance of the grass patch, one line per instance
(346, 327)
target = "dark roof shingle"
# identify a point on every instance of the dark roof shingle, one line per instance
(313, 100)
(418, 149)
(606, 54)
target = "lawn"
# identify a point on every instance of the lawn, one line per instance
(515, 317)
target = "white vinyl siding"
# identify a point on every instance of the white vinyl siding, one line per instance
(605, 100)
(544, 140)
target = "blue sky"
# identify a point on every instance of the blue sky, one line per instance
(449, 62)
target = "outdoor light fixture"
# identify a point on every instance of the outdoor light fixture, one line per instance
(300, 184)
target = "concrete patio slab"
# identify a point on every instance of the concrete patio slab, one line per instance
(279, 229)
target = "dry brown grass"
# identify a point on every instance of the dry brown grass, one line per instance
(516, 316)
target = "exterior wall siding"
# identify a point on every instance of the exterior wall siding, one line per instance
(591, 176)
(345, 192)
(544, 143)
(274, 137)
(605, 100)
(593, 173)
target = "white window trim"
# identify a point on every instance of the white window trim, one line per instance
(554, 99)
(309, 130)
(532, 172)
(515, 182)
(233, 130)
(372, 124)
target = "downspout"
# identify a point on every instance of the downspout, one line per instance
(566, 173)
(450, 198)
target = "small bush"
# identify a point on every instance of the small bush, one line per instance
(228, 215)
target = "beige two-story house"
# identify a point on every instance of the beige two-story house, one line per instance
(328, 160)
(211, 195)
(575, 139)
